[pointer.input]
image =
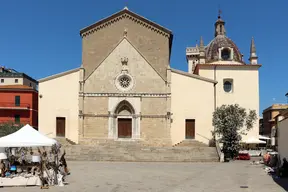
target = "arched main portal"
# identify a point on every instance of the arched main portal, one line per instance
(124, 120)
(124, 112)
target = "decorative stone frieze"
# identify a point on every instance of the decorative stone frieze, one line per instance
(162, 95)
(133, 116)
(125, 16)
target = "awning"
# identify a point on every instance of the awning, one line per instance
(253, 140)
(27, 136)
(264, 137)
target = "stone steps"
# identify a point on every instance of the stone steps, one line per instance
(64, 141)
(138, 153)
(105, 142)
(190, 143)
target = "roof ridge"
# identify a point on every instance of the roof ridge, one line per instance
(102, 23)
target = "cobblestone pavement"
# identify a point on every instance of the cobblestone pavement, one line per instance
(163, 177)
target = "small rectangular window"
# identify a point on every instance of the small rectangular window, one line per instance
(17, 119)
(30, 84)
(2, 80)
(16, 80)
(17, 100)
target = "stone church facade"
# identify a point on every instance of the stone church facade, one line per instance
(125, 90)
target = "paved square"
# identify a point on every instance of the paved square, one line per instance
(164, 177)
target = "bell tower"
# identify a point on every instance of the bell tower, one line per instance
(193, 57)
(219, 26)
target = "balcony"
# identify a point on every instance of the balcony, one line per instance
(12, 122)
(22, 106)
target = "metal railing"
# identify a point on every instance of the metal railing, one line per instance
(14, 105)
(12, 122)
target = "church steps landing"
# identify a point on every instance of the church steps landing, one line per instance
(190, 143)
(139, 154)
(112, 142)
(64, 141)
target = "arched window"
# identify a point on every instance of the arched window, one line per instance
(124, 108)
(225, 54)
(228, 85)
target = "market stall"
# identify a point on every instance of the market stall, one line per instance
(27, 136)
(26, 160)
(250, 146)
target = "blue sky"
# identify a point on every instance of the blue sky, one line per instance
(41, 38)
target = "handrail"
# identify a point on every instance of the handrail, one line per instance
(12, 122)
(203, 137)
(6, 104)
(217, 145)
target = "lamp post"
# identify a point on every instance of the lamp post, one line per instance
(286, 96)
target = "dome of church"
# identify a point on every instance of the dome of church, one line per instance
(221, 41)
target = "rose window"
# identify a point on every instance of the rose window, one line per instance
(125, 81)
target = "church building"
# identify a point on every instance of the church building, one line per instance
(125, 89)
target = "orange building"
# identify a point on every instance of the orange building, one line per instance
(269, 115)
(19, 104)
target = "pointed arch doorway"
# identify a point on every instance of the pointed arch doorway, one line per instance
(125, 120)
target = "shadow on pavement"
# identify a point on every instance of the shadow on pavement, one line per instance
(283, 182)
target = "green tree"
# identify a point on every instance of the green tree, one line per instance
(230, 123)
(9, 128)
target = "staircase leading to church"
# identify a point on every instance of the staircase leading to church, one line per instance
(64, 141)
(190, 143)
(136, 151)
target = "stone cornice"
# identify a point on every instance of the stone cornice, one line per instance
(193, 76)
(114, 116)
(58, 75)
(164, 95)
(122, 15)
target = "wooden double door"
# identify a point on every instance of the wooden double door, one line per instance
(190, 129)
(124, 128)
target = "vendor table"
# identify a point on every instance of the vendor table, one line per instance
(20, 181)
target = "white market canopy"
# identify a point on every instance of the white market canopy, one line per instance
(253, 140)
(264, 137)
(27, 136)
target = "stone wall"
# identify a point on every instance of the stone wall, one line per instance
(146, 52)
(96, 105)
(155, 132)
(153, 45)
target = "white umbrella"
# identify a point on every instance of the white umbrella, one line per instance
(27, 136)
(263, 137)
(253, 140)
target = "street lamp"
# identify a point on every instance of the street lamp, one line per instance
(287, 96)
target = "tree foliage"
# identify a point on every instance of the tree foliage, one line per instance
(9, 128)
(230, 123)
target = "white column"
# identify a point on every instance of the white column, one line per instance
(232, 53)
(110, 128)
(137, 126)
(115, 128)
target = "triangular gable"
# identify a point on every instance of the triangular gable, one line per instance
(113, 39)
(120, 13)
(124, 38)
